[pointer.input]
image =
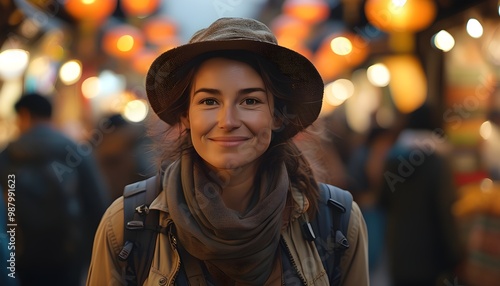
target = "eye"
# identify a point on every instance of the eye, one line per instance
(251, 101)
(208, 101)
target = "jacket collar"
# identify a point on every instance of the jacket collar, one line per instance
(160, 202)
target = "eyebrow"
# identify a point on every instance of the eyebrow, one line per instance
(241, 92)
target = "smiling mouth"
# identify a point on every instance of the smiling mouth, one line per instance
(229, 141)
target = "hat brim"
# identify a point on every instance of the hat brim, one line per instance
(303, 105)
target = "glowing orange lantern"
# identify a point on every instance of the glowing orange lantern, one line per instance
(139, 8)
(90, 10)
(329, 64)
(400, 16)
(339, 52)
(285, 26)
(159, 29)
(123, 41)
(294, 44)
(408, 83)
(310, 11)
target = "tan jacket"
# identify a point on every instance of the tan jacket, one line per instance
(106, 269)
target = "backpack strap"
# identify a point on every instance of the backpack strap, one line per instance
(330, 228)
(141, 228)
(192, 269)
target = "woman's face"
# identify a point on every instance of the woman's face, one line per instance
(230, 114)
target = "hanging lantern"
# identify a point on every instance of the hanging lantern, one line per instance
(408, 83)
(328, 64)
(292, 33)
(123, 41)
(400, 15)
(286, 26)
(310, 11)
(141, 8)
(290, 42)
(159, 29)
(90, 10)
(339, 52)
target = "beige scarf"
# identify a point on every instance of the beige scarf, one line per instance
(243, 247)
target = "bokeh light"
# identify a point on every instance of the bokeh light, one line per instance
(474, 28)
(135, 110)
(378, 75)
(444, 41)
(13, 63)
(70, 72)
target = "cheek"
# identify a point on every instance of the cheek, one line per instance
(263, 136)
(259, 145)
(199, 124)
(196, 133)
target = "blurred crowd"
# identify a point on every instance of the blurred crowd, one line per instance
(58, 189)
(424, 227)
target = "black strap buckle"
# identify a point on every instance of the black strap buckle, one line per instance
(126, 250)
(336, 205)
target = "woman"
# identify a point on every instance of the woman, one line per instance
(238, 186)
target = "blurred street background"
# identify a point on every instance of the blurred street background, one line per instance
(381, 61)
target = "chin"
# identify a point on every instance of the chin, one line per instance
(227, 165)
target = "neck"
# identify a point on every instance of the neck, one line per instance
(237, 187)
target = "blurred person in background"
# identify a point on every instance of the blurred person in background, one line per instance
(418, 193)
(365, 168)
(59, 198)
(122, 154)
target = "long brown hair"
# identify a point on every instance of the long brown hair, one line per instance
(281, 149)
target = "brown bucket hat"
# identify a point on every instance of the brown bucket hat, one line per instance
(302, 105)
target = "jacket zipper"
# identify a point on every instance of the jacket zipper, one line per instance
(294, 264)
(173, 242)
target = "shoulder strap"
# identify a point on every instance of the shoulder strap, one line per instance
(330, 225)
(141, 228)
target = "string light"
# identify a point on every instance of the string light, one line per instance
(474, 28)
(444, 41)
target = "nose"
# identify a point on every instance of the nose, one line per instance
(228, 118)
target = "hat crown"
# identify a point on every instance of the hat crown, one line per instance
(225, 29)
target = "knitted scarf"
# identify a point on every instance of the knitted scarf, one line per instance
(242, 246)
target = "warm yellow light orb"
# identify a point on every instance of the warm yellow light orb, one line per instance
(378, 75)
(444, 41)
(401, 15)
(90, 10)
(139, 8)
(310, 11)
(135, 110)
(123, 41)
(13, 63)
(341, 46)
(408, 83)
(70, 72)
